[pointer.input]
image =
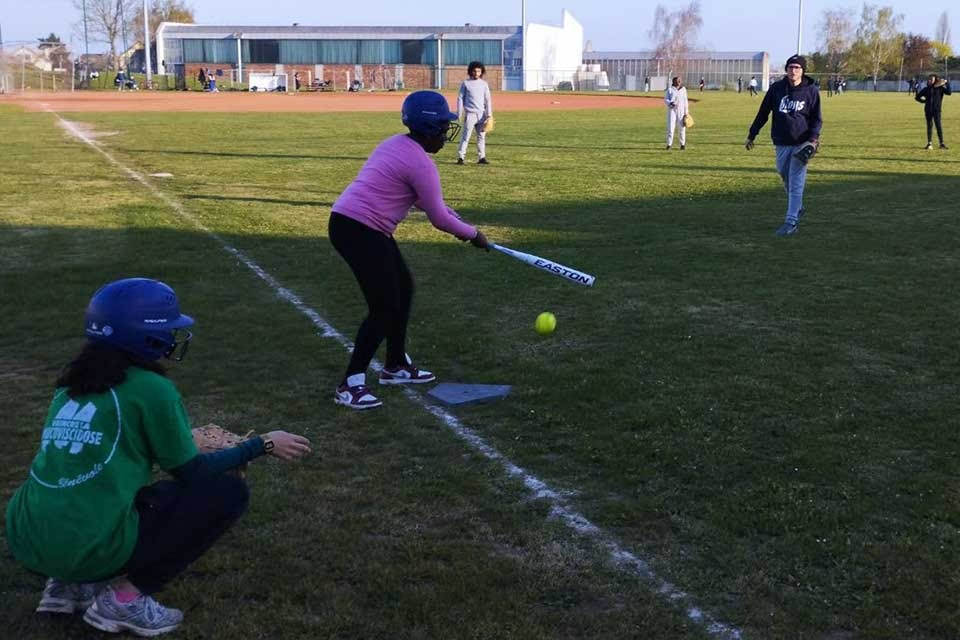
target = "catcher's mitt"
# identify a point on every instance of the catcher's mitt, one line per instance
(212, 437)
(488, 125)
(805, 152)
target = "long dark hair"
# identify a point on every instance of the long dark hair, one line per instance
(100, 366)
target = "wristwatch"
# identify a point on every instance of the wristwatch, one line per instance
(267, 444)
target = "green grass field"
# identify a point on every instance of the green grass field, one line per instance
(771, 424)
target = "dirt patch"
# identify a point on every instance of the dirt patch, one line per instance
(241, 102)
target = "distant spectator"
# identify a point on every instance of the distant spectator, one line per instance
(932, 98)
(739, 85)
(677, 107)
(701, 84)
(202, 79)
(752, 86)
(646, 84)
(119, 80)
(296, 80)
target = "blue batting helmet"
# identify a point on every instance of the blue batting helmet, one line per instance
(425, 112)
(140, 316)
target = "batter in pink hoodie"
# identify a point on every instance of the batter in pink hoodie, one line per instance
(398, 174)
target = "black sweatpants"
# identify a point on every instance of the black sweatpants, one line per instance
(387, 287)
(934, 119)
(179, 522)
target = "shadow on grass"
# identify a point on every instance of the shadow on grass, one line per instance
(662, 399)
(292, 203)
(234, 154)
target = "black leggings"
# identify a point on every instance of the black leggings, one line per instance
(387, 286)
(179, 522)
(934, 119)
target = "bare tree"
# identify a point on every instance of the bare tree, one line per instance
(878, 39)
(161, 11)
(836, 37)
(105, 21)
(674, 34)
(943, 29)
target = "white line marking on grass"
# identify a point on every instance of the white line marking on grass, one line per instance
(560, 508)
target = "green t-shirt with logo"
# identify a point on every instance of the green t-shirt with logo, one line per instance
(74, 518)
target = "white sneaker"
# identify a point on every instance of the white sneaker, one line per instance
(67, 597)
(143, 616)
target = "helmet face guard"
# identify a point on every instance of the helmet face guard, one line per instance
(140, 316)
(452, 132)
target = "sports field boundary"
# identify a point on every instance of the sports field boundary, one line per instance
(621, 558)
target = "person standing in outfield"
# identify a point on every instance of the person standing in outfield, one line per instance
(739, 85)
(795, 104)
(701, 84)
(475, 106)
(88, 516)
(677, 107)
(398, 174)
(932, 98)
(752, 86)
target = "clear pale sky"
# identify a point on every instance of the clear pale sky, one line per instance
(610, 25)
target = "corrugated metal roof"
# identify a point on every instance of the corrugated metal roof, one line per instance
(300, 32)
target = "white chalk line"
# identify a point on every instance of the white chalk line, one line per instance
(560, 508)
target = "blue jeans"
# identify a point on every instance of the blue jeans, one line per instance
(793, 172)
(179, 522)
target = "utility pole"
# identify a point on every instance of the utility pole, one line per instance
(146, 44)
(523, 45)
(3, 65)
(800, 29)
(86, 49)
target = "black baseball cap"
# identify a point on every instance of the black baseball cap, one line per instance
(796, 59)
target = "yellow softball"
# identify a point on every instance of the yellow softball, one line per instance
(545, 324)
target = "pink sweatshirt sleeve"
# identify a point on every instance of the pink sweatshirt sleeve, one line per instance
(425, 180)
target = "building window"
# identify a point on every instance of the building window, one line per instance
(212, 51)
(261, 51)
(466, 51)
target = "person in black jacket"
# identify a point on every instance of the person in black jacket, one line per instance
(795, 104)
(932, 98)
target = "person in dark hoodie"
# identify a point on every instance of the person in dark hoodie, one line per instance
(932, 98)
(795, 104)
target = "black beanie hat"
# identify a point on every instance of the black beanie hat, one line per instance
(796, 59)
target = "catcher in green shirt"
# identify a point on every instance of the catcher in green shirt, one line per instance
(87, 515)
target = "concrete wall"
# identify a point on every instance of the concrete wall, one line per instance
(552, 54)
